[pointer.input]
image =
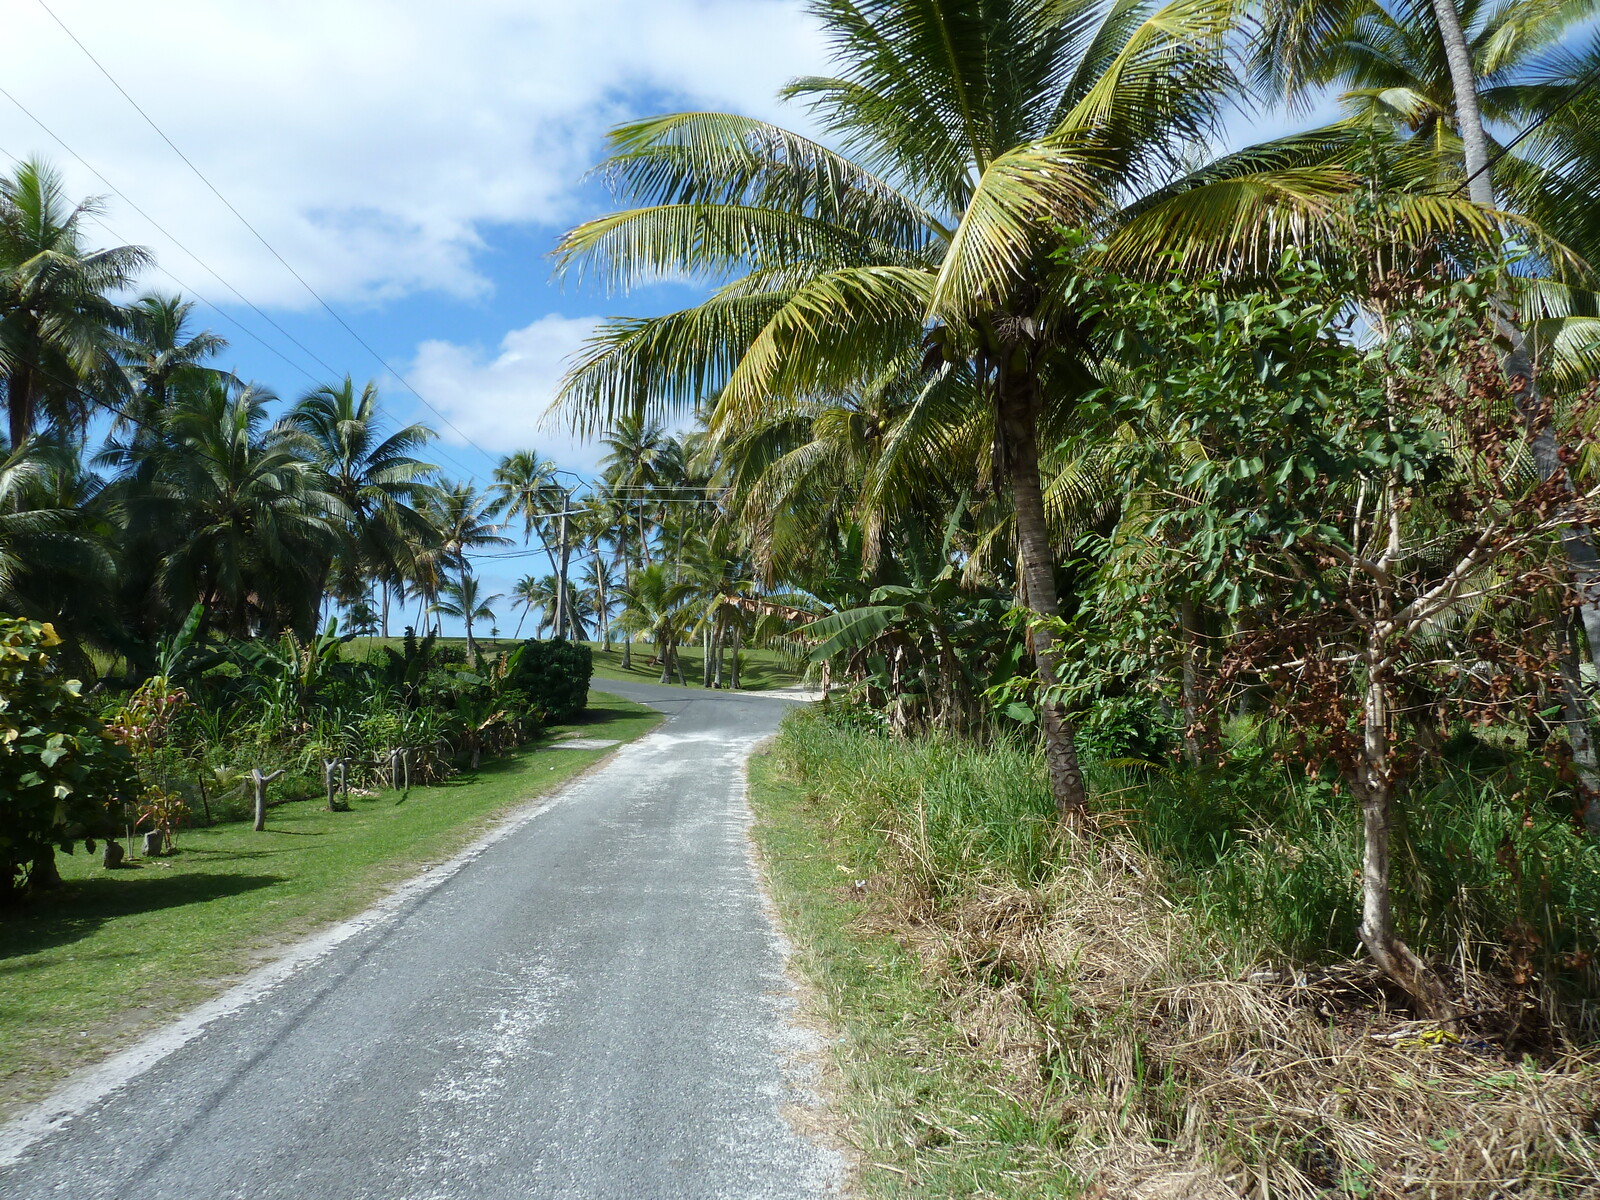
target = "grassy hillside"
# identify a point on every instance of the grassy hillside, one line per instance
(760, 668)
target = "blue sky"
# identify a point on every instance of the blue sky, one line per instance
(415, 162)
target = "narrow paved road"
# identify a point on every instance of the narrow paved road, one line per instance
(595, 1006)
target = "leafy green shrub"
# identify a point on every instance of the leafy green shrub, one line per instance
(553, 675)
(62, 777)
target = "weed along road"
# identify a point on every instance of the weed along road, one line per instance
(594, 1005)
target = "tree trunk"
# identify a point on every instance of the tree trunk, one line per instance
(1583, 563)
(1019, 433)
(20, 404)
(1374, 788)
(705, 656)
(664, 656)
(600, 597)
(1469, 117)
(385, 610)
(1575, 715)
(733, 661)
(627, 636)
(43, 874)
(1189, 621)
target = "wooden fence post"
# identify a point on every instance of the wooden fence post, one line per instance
(260, 781)
(329, 766)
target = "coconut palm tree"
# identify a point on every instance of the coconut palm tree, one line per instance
(659, 606)
(464, 600)
(240, 517)
(462, 520)
(525, 486)
(58, 313)
(598, 594)
(638, 452)
(376, 477)
(975, 132)
(54, 561)
(157, 351)
(528, 594)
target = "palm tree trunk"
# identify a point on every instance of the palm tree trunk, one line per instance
(1575, 715)
(733, 661)
(600, 598)
(1469, 117)
(20, 404)
(1019, 434)
(1583, 562)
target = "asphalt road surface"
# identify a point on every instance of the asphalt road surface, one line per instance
(594, 1006)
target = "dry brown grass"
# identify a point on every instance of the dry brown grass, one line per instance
(1181, 1075)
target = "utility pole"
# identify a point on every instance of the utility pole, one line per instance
(561, 568)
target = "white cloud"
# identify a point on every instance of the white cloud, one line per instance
(371, 140)
(500, 402)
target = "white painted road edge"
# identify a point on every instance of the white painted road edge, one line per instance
(93, 1084)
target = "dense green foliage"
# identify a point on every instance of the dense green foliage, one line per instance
(63, 779)
(554, 676)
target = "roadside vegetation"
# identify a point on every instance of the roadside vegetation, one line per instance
(1170, 1009)
(760, 667)
(1197, 542)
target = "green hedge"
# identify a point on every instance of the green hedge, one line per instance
(555, 676)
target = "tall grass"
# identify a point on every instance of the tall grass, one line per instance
(1177, 1005)
(1266, 859)
(940, 815)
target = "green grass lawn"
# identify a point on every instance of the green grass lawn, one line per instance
(118, 952)
(760, 668)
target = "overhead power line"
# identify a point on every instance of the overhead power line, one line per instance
(1582, 85)
(332, 372)
(271, 249)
